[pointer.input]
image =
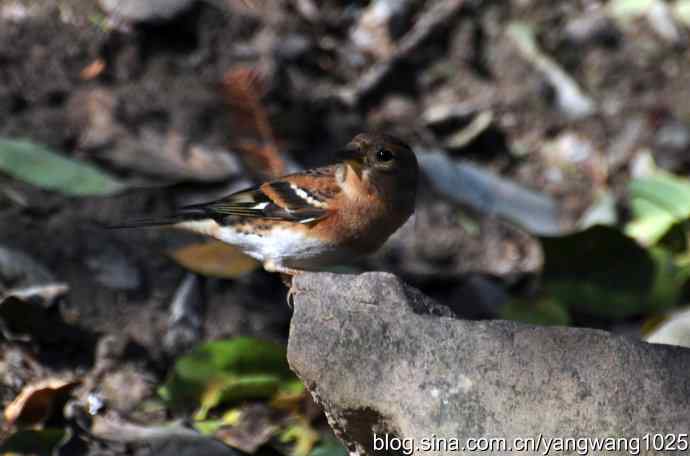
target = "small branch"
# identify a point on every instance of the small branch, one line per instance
(437, 16)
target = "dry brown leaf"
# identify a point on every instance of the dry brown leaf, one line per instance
(37, 401)
(263, 158)
(243, 88)
(93, 69)
(215, 259)
(257, 424)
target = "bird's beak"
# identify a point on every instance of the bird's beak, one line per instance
(354, 158)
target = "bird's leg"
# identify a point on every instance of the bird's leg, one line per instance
(287, 280)
(272, 266)
(287, 275)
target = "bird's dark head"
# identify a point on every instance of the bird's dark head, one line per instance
(382, 159)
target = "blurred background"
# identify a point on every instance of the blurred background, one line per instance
(553, 136)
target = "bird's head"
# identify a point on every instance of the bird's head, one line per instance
(382, 161)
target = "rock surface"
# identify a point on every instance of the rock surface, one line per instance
(382, 358)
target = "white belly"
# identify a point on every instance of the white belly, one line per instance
(280, 246)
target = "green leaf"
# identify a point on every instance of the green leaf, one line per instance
(670, 277)
(39, 166)
(329, 447)
(599, 271)
(604, 273)
(681, 11)
(658, 202)
(676, 239)
(650, 223)
(232, 388)
(41, 442)
(624, 9)
(227, 371)
(208, 427)
(303, 435)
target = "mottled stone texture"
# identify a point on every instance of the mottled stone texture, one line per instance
(381, 357)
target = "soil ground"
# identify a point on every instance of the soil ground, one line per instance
(161, 78)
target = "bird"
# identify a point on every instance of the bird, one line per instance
(314, 219)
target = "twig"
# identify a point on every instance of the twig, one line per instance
(437, 16)
(570, 98)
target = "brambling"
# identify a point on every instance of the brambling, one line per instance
(316, 218)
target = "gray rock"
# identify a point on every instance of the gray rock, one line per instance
(380, 357)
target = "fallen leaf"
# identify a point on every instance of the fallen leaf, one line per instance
(209, 427)
(170, 439)
(28, 279)
(674, 330)
(185, 324)
(39, 166)
(227, 371)
(256, 425)
(329, 447)
(628, 9)
(19, 269)
(44, 293)
(303, 435)
(243, 88)
(231, 388)
(601, 212)
(92, 70)
(290, 397)
(658, 202)
(681, 11)
(264, 158)
(111, 426)
(215, 259)
(605, 273)
(37, 402)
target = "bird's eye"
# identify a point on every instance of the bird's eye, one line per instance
(384, 155)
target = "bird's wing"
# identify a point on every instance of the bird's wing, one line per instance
(288, 199)
(299, 198)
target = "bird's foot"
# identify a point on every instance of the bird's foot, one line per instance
(287, 275)
(272, 266)
(290, 298)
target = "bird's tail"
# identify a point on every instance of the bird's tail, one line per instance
(184, 214)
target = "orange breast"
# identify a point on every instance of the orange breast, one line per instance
(361, 220)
